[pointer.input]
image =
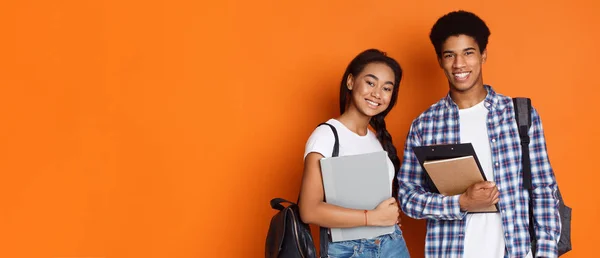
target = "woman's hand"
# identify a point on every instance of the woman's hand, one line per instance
(386, 213)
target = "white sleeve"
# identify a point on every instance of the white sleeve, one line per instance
(320, 141)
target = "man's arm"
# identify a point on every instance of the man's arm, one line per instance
(545, 199)
(415, 200)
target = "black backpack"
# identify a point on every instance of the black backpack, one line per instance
(522, 108)
(288, 236)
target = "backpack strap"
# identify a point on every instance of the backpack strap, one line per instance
(336, 144)
(523, 108)
(523, 117)
(276, 203)
(324, 232)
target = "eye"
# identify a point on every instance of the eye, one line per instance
(468, 53)
(370, 83)
(448, 56)
(387, 89)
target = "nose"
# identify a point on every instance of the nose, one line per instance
(376, 92)
(459, 62)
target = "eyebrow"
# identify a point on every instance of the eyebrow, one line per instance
(452, 52)
(375, 77)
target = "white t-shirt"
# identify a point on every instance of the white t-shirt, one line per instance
(322, 140)
(484, 236)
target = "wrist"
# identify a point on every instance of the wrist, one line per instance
(371, 218)
(462, 203)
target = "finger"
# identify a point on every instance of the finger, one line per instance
(493, 192)
(496, 189)
(391, 200)
(484, 184)
(497, 195)
(490, 184)
(496, 200)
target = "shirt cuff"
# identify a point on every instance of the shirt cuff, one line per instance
(453, 205)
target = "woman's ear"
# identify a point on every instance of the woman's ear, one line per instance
(350, 81)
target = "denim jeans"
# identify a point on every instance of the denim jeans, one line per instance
(386, 246)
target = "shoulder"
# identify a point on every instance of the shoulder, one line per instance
(430, 113)
(503, 102)
(506, 104)
(321, 141)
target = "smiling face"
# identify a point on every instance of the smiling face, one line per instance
(371, 90)
(461, 61)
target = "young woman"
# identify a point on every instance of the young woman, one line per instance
(368, 91)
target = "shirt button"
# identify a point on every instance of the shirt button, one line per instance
(502, 211)
(493, 139)
(506, 234)
(497, 164)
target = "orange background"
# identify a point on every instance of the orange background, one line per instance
(163, 128)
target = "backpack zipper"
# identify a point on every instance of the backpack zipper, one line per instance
(297, 240)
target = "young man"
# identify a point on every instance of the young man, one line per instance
(474, 113)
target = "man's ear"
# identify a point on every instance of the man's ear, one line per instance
(350, 81)
(484, 56)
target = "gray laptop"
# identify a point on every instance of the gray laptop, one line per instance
(357, 182)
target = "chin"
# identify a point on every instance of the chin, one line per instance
(372, 113)
(462, 87)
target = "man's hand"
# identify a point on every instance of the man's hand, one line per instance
(479, 195)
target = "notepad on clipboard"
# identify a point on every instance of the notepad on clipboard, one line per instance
(451, 169)
(357, 182)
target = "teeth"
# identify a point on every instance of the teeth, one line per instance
(461, 75)
(372, 103)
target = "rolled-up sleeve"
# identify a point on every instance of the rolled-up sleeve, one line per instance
(415, 200)
(545, 199)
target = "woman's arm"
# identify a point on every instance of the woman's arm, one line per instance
(313, 210)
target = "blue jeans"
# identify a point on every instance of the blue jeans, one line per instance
(386, 246)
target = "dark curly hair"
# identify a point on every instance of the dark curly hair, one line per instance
(459, 23)
(355, 67)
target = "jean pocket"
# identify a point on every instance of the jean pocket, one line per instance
(344, 249)
(397, 234)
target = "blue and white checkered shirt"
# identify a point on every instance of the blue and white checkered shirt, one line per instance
(445, 222)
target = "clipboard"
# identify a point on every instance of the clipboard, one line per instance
(444, 152)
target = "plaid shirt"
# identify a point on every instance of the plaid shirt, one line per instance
(445, 222)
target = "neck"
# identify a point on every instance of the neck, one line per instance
(355, 121)
(468, 98)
